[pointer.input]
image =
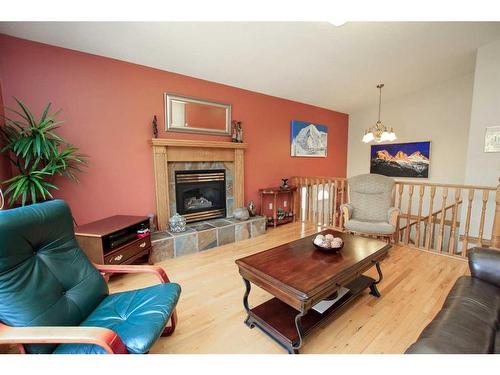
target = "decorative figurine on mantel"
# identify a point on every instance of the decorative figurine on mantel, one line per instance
(252, 210)
(237, 133)
(284, 184)
(155, 126)
(177, 223)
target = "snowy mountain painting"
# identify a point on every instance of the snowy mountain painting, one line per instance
(401, 159)
(308, 139)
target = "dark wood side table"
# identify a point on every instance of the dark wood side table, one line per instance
(114, 240)
(275, 192)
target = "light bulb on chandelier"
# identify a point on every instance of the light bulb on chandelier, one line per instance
(379, 132)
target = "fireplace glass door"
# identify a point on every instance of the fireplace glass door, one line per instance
(201, 194)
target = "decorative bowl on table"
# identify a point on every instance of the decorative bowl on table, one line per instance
(328, 243)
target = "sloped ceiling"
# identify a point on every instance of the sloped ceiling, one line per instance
(315, 63)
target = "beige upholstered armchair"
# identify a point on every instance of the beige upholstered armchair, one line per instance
(370, 210)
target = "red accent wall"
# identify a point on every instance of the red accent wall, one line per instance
(4, 163)
(108, 106)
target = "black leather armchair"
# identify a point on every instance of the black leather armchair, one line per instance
(468, 322)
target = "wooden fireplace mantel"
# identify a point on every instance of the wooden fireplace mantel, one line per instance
(182, 150)
(193, 143)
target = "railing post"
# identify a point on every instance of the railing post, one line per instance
(495, 232)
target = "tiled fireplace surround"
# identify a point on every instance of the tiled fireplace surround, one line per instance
(173, 155)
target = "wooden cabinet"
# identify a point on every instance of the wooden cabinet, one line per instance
(276, 194)
(114, 240)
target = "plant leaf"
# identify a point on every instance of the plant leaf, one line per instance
(30, 118)
(44, 115)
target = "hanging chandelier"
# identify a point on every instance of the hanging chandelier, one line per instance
(379, 132)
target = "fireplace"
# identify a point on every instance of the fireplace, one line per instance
(200, 194)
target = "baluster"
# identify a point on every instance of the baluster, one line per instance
(421, 191)
(400, 196)
(451, 243)
(320, 201)
(486, 195)
(444, 197)
(330, 199)
(465, 242)
(495, 230)
(316, 198)
(343, 199)
(302, 199)
(297, 205)
(305, 199)
(309, 200)
(408, 214)
(336, 219)
(430, 219)
(324, 215)
(303, 196)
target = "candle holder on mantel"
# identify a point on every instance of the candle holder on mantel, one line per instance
(237, 132)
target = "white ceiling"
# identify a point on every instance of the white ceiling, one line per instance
(311, 62)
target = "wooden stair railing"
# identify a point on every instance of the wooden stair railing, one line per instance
(458, 219)
(319, 198)
(444, 218)
(404, 232)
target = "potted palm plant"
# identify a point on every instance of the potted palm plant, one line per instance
(38, 154)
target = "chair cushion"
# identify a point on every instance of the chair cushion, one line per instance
(455, 330)
(369, 227)
(371, 196)
(137, 316)
(45, 278)
(471, 291)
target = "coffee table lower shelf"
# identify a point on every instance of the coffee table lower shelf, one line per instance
(277, 319)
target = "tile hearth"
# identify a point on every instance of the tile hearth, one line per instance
(204, 235)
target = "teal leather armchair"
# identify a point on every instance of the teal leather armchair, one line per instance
(54, 300)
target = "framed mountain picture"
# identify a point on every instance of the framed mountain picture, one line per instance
(401, 159)
(308, 139)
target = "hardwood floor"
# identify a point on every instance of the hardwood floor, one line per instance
(211, 311)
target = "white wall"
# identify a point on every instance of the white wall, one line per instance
(484, 168)
(440, 113)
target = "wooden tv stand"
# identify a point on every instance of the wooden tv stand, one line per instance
(112, 240)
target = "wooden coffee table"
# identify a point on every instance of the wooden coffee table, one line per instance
(299, 276)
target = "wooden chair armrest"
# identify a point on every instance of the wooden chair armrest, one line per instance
(393, 216)
(127, 268)
(346, 209)
(103, 337)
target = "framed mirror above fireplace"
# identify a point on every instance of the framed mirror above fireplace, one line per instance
(200, 194)
(191, 115)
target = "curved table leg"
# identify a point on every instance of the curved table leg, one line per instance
(373, 287)
(248, 287)
(298, 325)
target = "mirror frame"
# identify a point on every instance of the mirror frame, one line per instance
(168, 97)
